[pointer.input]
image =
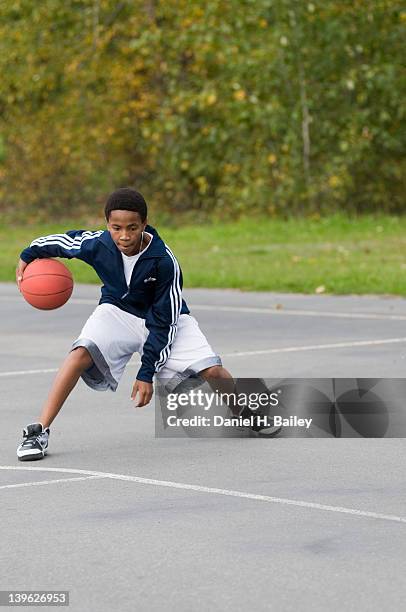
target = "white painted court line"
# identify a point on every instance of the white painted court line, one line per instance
(285, 349)
(300, 313)
(47, 482)
(292, 312)
(216, 491)
(316, 347)
(21, 372)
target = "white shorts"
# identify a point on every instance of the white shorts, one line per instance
(112, 336)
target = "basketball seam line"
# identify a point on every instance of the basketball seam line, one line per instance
(48, 294)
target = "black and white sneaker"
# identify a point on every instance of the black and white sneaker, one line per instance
(262, 424)
(35, 443)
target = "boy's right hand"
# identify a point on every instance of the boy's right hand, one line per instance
(20, 272)
(144, 391)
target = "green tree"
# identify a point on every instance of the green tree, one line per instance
(265, 106)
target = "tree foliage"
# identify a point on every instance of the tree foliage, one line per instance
(269, 106)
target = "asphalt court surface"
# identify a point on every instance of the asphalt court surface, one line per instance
(119, 518)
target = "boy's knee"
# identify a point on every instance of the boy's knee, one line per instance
(83, 357)
(214, 372)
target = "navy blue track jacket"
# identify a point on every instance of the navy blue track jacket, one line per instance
(158, 301)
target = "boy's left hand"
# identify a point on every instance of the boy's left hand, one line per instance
(144, 390)
(20, 272)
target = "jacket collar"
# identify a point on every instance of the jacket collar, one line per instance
(156, 248)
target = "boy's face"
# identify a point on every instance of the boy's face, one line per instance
(126, 227)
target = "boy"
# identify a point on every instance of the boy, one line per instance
(141, 310)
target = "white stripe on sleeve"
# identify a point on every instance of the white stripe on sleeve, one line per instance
(66, 241)
(176, 305)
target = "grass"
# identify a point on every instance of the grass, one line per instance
(335, 255)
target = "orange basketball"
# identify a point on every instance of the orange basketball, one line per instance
(47, 284)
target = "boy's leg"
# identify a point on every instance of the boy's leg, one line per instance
(68, 375)
(221, 381)
(35, 436)
(192, 355)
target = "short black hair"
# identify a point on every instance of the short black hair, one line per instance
(126, 198)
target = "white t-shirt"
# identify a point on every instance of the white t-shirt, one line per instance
(129, 261)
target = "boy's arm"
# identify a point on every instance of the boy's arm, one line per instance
(162, 319)
(74, 243)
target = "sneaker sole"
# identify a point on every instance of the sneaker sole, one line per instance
(271, 432)
(32, 457)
